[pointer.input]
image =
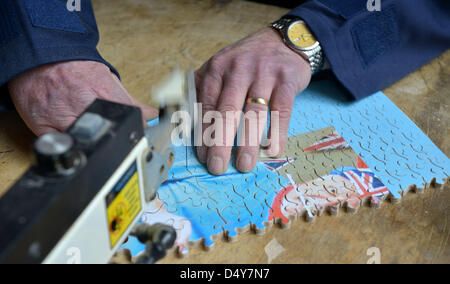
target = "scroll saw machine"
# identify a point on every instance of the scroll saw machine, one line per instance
(90, 185)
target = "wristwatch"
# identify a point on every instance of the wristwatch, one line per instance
(298, 37)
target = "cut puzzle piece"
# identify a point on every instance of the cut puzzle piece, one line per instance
(322, 171)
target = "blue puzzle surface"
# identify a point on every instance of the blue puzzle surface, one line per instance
(397, 151)
(383, 136)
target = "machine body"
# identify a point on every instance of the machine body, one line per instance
(87, 190)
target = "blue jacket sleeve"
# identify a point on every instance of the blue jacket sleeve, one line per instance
(37, 32)
(368, 51)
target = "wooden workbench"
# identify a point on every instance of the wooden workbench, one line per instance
(144, 39)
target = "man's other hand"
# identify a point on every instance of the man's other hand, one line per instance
(259, 66)
(51, 97)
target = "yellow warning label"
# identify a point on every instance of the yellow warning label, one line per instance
(123, 204)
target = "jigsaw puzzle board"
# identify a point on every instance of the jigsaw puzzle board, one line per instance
(339, 153)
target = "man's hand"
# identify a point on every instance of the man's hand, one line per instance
(259, 66)
(51, 97)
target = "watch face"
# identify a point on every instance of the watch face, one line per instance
(300, 36)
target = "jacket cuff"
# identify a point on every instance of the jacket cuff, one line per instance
(337, 45)
(368, 51)
(26, 62)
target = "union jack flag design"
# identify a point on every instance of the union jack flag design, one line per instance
(364, 180)
(332, 141)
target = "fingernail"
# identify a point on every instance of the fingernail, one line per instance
(201, 154)
(215, 165)
(245, 163)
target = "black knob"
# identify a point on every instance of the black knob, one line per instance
(55, 154)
